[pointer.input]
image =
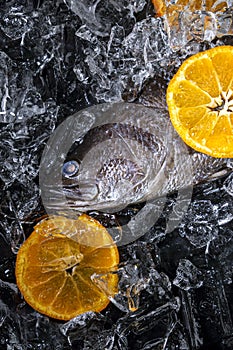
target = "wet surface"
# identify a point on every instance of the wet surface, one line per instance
(175, 284)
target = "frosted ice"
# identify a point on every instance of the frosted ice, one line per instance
(228, 184)
(125, 59)
(201, 21)
(199, 224)
(17, 22)
(131, 283)
(188, 276)
(131, 329)
(21, 330)
(189, 309)
(120, 65)
(224, 212)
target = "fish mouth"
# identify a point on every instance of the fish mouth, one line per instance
(75, 199)
(77, 205)
(78, 198)
(82, 191)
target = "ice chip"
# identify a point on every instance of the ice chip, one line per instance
(228, 184)
(199, 223)
(188, 276)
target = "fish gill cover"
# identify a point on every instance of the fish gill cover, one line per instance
(58, 57)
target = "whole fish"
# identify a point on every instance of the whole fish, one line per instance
(121, 153)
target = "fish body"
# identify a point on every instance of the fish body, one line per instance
(131, 153)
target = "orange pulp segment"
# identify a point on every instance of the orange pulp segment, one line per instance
(54, 272)
(200, 101)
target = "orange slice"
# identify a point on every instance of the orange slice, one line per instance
(170, 7)
(160, 7)
(200, 101)
(54, 272)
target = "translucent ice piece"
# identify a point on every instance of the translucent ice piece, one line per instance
(129, 287)
(199, 225)
(188, 276)
(160, 325)
(195, 20)
(189, 309)
(16, 22)
(228, 184)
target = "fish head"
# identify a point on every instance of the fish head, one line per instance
(103, 180)
(117, 156)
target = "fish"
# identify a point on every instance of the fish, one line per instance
(120, 154)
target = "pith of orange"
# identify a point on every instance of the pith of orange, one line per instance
(200, 101)
(55, 265)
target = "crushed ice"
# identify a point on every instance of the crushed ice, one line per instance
(56, 58)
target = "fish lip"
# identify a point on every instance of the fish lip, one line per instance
(81, 193)
(66, 203)
(77, 194)
(81, 206)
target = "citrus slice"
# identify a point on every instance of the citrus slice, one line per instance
(54, 272)
(170, 7)
(200, 101)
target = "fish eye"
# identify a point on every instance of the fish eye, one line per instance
(70, 168)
